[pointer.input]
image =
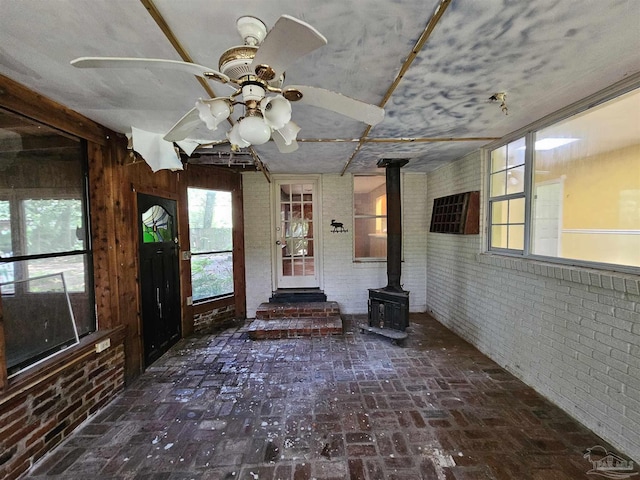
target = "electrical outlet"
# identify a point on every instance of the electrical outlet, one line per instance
(189, 300)
(186, 255)
(103, 345)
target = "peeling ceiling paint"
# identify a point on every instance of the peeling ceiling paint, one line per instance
(545, 54)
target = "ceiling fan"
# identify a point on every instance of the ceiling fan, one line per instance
(256, 70)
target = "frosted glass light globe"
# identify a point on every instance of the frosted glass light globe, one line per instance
(212, 112)
(234, 137)
(254, 130)
(276, 111)
(220, 109)
(289, 132)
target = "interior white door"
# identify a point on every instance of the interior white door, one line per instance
(547, 219)
(296, 245)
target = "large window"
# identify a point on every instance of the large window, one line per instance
(210, 230)
(571, 190)
(370, 217)
(45, 255)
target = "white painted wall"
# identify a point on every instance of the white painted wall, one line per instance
(257, 239)
(571, 333)
(344, 281)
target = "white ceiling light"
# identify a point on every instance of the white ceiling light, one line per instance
(276, 111)
(254, 130)
(285, 138)
(263, 115)
(213, 111)
(235, 139)
(289, 132)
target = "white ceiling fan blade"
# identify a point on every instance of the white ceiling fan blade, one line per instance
(126, 62)
(188, 146)
(181, 130)
(287, 41)
(336, 102)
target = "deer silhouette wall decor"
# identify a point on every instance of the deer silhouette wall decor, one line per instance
(338, 227)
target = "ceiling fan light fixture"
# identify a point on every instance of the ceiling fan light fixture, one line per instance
(257, 68)
(212, 112)
(289, 132)
(254, 130)
(235, 139)
(276, 111)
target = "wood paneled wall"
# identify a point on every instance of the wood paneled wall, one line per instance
(114, 178)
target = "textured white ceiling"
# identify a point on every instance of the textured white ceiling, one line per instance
(544, 53)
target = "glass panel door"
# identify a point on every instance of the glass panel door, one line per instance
(295, 243)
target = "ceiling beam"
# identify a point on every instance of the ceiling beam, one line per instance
(164, 26)
(431, 25)
(398, 140)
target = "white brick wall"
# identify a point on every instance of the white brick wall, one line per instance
(414, 239)
(571, 333)
(257, 239)
(344, 281)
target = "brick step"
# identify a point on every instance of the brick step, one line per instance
(298, 295)
(295, 327)
(271, 311)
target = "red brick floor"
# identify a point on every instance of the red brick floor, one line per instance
(353, 407)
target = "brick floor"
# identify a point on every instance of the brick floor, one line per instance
(353, 407)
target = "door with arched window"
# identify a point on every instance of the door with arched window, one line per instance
(159, 280)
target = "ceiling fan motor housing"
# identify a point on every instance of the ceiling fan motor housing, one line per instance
(236, 62)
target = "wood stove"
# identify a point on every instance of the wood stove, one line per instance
(389, 306)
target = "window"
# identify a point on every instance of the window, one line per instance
(157, 225)
(582, 202)
(507, 197)
(45, 257)
(370, 217)
(210, 230)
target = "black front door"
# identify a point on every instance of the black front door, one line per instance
(159, 280)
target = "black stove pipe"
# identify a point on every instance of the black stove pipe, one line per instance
(394, 222)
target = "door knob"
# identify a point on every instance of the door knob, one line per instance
(278, 242)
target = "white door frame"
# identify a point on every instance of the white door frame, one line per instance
(317, 223)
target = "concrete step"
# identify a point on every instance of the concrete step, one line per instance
(260, 329)
(273, 311)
